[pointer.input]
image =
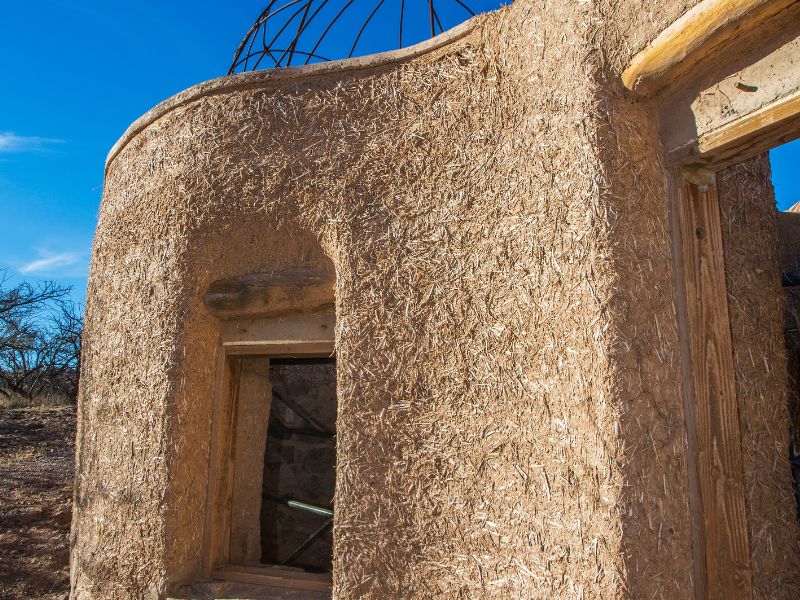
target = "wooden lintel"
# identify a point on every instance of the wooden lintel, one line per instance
(701, 30)
(754, 133)
(782, 114)
(279, 348)
(270, 294)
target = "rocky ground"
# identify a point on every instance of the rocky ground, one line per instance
(36, 465)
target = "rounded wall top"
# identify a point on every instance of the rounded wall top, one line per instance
(256, 79)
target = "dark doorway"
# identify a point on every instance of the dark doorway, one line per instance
(300, 465)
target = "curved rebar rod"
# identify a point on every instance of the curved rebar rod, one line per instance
(300, 29)
(364, 26)
(330, 25)
(436, 16)
(268, 47)
(300, 32)
(402, 10)
(277, 26)
(260, 22)
(248, 35)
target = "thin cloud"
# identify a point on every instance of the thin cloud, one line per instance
(11, 142)
(48, 263)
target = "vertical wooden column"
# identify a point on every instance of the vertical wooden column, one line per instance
(243, 397)
(722, 546)
(250, 439)
(216, 544)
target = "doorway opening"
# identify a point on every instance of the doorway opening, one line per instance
(284, 461)
(299, 477)
(269, 520)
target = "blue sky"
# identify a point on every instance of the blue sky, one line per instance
(76, 73)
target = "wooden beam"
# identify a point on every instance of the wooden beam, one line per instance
(774, 116)
(270, 294)
(704, 28)
(770, 76)
(695, 504)
(319, 326)
(219, 417)
(713, 416)
(217, 535)
(751, 135)
(280, 348)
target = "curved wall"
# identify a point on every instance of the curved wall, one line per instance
(508, 365)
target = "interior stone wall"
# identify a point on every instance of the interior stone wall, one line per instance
(300, 467)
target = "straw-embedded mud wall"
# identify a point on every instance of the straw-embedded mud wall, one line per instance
(789, 240)
(756, 305)
(508, 371)
(789, 253)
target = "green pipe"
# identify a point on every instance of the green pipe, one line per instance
(312, 508)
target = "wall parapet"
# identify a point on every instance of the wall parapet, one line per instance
(256, 79)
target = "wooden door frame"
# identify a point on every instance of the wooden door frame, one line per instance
(721, 538)
(685, 74)
(721, 542)
(298, 335)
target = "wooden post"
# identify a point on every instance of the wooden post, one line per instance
(722, 545)
(216, 545)
(250, 439)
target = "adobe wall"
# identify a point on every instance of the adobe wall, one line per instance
(756, 306)
(789, 240)
(146, 399)
(510, 412)
(789, 253)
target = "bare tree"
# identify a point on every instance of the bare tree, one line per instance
(40, 339)
(69, 335)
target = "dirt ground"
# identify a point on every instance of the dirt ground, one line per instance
(36, 467)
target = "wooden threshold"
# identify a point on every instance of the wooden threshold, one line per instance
(275, 576)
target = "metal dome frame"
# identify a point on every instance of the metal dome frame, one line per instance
(277, 18)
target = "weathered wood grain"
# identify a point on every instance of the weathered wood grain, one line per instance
(704, 28)
(275, 576)
(715, 430)
(270, 294)
(253, 406)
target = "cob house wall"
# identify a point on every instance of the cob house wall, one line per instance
(789, 258)
(494, 210)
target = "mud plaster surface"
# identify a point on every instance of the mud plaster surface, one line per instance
(756, 304)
